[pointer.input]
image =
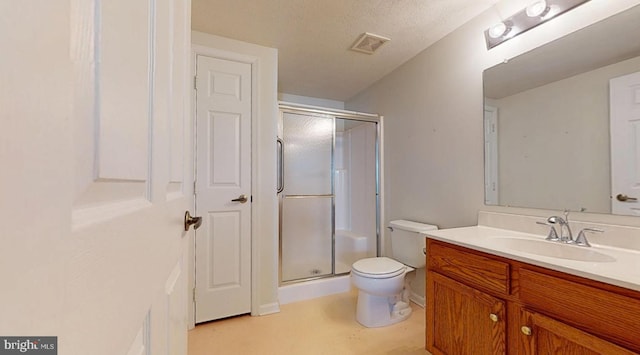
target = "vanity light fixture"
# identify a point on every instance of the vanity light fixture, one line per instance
(536, 13)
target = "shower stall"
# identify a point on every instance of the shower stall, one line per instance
(328, 189)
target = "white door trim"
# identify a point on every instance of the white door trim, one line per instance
(257, 181)
(491, 181)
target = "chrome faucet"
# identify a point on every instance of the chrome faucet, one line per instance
(565, 231)
(582, 239)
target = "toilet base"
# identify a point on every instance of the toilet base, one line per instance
(379, 311)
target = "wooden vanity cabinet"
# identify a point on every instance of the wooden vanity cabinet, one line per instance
(469, 321)
(549, 336)
(478, 303)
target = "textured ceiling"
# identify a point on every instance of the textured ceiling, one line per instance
(313, 37)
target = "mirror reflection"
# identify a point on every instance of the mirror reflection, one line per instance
(561, 122)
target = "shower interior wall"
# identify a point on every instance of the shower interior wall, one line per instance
(355, 192)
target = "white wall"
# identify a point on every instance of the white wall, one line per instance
(311, 101)
(265, 205)
(433, 107)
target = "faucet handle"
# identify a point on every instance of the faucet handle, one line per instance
(553, 235)
(582, 239)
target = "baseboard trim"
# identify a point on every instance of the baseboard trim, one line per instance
(269, 308)
(417, 299)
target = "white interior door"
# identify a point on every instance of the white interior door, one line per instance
(93, 130)
(223, 243)
(625, 144)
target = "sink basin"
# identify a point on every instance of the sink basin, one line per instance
(553, 249)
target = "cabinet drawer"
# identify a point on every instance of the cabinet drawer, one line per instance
(472, 269)
(596, 311)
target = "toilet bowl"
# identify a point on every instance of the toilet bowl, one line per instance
(380, 283)
(382, 294)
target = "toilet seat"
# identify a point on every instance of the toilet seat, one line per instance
(378, 268)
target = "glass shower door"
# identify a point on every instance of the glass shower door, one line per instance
(306, 200)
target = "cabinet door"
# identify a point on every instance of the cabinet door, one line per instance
(544, 335)
(462, 320)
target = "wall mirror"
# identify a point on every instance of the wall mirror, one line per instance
(562, 122)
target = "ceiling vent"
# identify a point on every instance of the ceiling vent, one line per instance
(368, 43)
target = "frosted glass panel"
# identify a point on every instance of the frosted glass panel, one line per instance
(308, 143)
(306, 237)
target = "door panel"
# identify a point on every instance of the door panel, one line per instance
(223, 243)
(224, 250)
(97, 247)
(625, 144)
(124, 88)
(224, 161)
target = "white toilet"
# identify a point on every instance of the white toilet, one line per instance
(382, 299)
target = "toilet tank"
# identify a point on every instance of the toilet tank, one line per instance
(407, 243)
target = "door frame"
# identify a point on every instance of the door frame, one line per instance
(491, 172)
(263, 164)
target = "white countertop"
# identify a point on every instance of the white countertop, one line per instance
(623, 272)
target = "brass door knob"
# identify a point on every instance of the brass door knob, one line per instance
(190, 220)
(625, 198)
(493, 317)
(525, 330)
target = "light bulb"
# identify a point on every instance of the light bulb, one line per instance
(497, 30)
(538, 8)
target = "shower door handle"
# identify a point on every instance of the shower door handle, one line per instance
(280, 186)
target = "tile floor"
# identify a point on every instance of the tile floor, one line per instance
(324, 325)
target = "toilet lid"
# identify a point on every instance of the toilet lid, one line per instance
(378, 267)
